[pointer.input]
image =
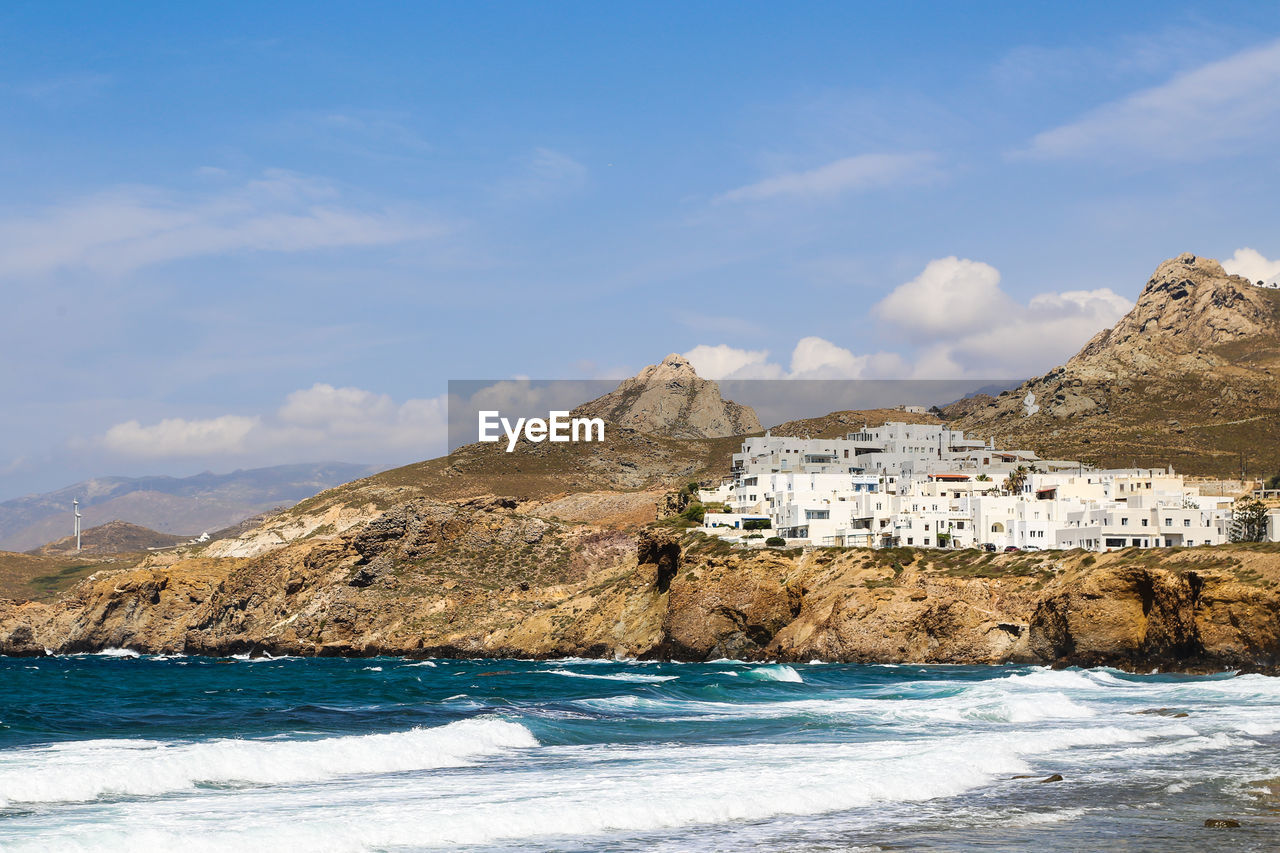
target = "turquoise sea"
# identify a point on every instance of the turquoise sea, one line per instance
(121, 752)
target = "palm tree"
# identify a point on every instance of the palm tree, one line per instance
(1016, 479)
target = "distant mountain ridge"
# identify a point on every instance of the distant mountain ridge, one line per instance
(183, 506)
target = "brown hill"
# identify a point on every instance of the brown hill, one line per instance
(840, 424)
(114, 537)
(671, 399)
(1187, 377)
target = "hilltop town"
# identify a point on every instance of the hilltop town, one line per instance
(928, 485)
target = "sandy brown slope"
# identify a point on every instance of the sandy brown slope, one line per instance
(1187, 377)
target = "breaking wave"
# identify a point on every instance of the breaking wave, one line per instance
(88, 770)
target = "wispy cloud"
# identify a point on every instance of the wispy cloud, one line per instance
(850, 174)
(136, 226)
(544, 173)
(320, 422)
(1209, 111)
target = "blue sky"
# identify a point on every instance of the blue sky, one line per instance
(240, 234)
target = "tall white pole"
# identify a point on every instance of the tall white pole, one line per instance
(75, 506)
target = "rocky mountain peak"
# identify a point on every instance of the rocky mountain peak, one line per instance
(1188, 302)
(670, 398)
(1189, 371)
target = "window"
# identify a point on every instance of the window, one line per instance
(1124, 521)
(1168, 522)
(1186, 522)
(910, 541)
(1144, 522)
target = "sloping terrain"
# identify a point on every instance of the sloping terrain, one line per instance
(1188, 377)
(178, 505)
(114, 537)
(43, 577)
(429, 579)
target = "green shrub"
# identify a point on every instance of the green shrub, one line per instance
(694, 512)
(775, 541)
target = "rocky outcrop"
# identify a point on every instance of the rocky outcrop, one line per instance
(1190, 370)
(446, 580)
(670, 399)
(1148, 616)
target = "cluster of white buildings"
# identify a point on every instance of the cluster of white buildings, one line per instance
(926, 485)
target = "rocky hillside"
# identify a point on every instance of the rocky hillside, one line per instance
(114, 537)
(1189, 376)
(671, 399)
(431, 579)
(667, 426)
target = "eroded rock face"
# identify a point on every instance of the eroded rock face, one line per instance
(1144, 617)
(445, 580)
(670, 399)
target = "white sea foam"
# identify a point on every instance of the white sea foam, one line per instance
(1187, 745)
(88, 770)
(430, 663)
(593, 790)
(620, 676)
(776, 672)
(117, 653)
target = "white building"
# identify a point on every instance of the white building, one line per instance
(926, 485)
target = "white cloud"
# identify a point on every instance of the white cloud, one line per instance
(964, 325)
(136, 226)
(225, 435)
(974, 328)
(1044, 333)
(812, 358)
(951, 295)
(1253, 265)
(320, 422)
(725, 362)
(851, 174)
(1204, 112)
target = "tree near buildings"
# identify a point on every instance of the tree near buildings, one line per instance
(1248, 520)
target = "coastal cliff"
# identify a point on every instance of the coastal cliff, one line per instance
(436, 579)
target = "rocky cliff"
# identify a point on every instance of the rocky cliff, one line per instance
(671, 399)
(1188, 377)
(436, 579)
